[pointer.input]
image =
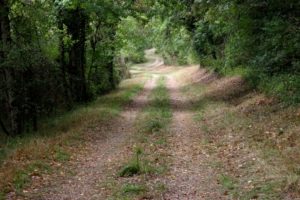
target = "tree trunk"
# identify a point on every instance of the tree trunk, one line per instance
(3, 127)
(93, 47)
(76, 67)
(8, 72)
(62, 60)
(34, 117)
(111, 73)
(111, 62)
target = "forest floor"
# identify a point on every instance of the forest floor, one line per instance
(187, 135)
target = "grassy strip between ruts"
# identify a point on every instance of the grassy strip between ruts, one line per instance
(136, 179)
(59, 138)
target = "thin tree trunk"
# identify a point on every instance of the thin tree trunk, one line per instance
(10, 98)
(111, 62)
(93, 46)
(76, 67)
(8, 72)
(3, 127)
(94, 41)
(111, 73)
(34, 118)
(82, 37)
(62, 60)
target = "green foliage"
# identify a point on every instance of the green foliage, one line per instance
(285, 87)
(153, 126)
(134, 167)
(227, 182)
(159, 112)
(66, 61)
(130, 170)
(133, 189)
(266, 191)
(65, 58)
(132, 40)
(261, 37)
(172, 41)
(139, 165)
(21, 179)
(61, 155)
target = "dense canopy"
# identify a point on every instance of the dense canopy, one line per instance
(56, 54)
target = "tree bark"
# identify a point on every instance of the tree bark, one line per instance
(93, 43)
(111, 61)
(8, 72)
(77, 62)
(3, 127)
(111, 73)
(62, 60)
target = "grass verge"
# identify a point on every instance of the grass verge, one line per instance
(254, 138)
(59, 138)
(284, 86)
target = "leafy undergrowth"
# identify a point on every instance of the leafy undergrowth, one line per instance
(136, 179)
(254, 140)
(30, 157)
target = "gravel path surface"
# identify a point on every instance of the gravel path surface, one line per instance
(190, 176)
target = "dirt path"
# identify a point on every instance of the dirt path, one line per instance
(92, 169)
(190, 171)
(106, 148)
(190, 177)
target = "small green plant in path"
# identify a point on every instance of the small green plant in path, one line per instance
(129, 189)
(134, 167)
(227, 182)
(130, 170)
